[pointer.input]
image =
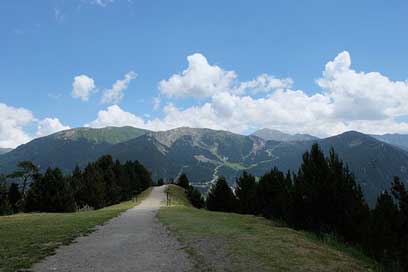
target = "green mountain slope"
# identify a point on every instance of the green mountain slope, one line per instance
(67, 148)
(5, 150)
(400, 140)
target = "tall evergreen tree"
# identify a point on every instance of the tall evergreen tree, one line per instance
(183, 181)
(26, 171)
(383, 237)
(50, 192)
(77, 186)
(195, 197)
(14, 197)
(401, 195)
(273, 195)
(5, 207)
(220, 197)
(245, 192)
(327, 198)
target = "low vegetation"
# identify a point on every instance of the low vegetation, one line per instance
(26, 238)
(221, 241)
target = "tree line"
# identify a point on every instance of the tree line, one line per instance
(101, 183)
(322, 197)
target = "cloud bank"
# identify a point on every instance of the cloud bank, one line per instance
(347, 100)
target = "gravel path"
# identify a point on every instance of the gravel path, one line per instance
(133, 241)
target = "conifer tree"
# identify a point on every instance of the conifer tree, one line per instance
(273, 195)
(383, 237)
(14, 197)
(183, 181)
(401, 195)
(220, 197)
(5, 207)
(26, 171)
(245, 192)
(195, 197)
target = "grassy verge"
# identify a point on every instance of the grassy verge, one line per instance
(225, 241)
(26, 238)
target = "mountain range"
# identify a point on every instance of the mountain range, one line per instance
(277, 135)
(5, 150)
(400, 140)
(204, 154)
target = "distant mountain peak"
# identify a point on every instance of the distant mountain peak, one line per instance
(277, 135)
(112, 135)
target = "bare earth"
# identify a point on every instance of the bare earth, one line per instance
(133, 241)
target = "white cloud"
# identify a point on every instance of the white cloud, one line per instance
(116, 117)
(200, 79)
(360, 95)
(102, 3)
(115, 94)
(12, 123)
(349, 100)
(264, 83)
(15, 124)
(49, 126)
(82, 87)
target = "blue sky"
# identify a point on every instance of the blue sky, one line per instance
(46, 44)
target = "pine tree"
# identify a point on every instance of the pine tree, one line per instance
(273, 195)
(183, 181)
(27, 172)
(383, 237)
(220, 197)
(327, 199)
(245, 191)
(5, 207)
(50, 192)
(14, 197)
(195, 197)
(401, 195)
(160, 182)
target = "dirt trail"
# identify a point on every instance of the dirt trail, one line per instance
(133, 241)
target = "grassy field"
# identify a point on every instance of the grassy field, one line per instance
(231, 242)
(27, 238)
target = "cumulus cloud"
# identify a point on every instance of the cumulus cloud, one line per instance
(264, 83)
(115, 94)
(82, 87)
(349, 100)
(15, 124)
(116, 117)
(200, 79)
(49, 126)
(12, 123)
(362, 96)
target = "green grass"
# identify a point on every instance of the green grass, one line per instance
(178, 197)
(26, 238)
(250, 243)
